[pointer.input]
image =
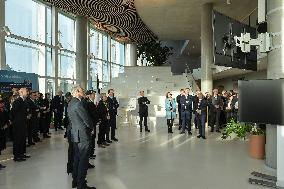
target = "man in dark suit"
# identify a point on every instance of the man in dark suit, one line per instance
(186, 111)
(143, 110)
(217, 103)
(81, 127)
(57, 105)
(179, 108)
(113, 105)
(201, 114)
(19, 119)
(89, 102)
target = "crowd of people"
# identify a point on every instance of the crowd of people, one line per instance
(27, 115)
(216, 110)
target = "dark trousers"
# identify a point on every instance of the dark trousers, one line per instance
(30, 132)
(195, 121)
(93, 144)
(19, 143)
(170, 123)
(112, 123)
(179, 117)
(102, 132)
(145, 122)
(80, 164)
(201, 119)
(35, 127)
(186, 120)
(215, 120)
(48, 121)
(58, 119)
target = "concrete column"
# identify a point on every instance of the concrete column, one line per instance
(206, 48)
(55, 51)
(275, 70)
(133, 55)
(81, 50)
(2, 36)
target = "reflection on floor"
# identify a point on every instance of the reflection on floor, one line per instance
(140, 161)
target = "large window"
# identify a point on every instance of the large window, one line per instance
(96, 44)
(67, 65)
(66, 27)
(27, 19)
(32, 19)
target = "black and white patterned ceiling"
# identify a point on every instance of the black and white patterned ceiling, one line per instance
(118, 18)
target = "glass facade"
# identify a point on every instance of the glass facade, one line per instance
(32, 20)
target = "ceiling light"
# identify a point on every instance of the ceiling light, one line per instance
(228, 2)
(6, 30)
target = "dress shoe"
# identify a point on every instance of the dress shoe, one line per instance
(140, 130)
(199, 136)
(182, 132)
(26, 156)
(60, 128)
(115, 139)
(2, 166)
(212, 131)
(101, 146)
(106, 144)
(147, 130)
(93, 157)
(74, 184)
(90, 187)
(189, 132)
(46, 136)
(90, 166)
(203, 137)
(218, 131)
(109, 141)
(31, 143)
(19, 159)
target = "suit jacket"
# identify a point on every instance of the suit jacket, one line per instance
(186, 103)
(113, 105)
(103, 109)
(58, 104)
(143, 108)
(80, 121)
(217, 102)
(92, 110)
(19, 115)
(178, 101)
(202, 106)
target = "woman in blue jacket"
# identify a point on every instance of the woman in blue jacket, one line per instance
(170, 111)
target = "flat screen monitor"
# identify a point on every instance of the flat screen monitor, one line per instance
(261, 101)
(225, 52)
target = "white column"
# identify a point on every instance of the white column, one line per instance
(2, 36)
(81, 50)
(206, 48)
(275, 70)
(55, 51)
(133, 55)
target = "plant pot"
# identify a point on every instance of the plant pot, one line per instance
(257, 146)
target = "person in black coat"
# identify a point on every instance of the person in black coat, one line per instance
(81, 127)
(4, 121)
(47, 101)
(218, 104)
(179, 108)
(57, 105)
(19, 119)
(186, 111)
(34, 119)
(89, 102)
(103, 109)
(143, 110)
(113, 105)
(201, 114)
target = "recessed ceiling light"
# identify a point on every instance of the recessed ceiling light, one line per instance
(228, 2)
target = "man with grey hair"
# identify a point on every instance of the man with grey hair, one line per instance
(81, 127)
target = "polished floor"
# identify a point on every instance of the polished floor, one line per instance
(139, 161)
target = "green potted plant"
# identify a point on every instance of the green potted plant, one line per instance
(242, 130)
